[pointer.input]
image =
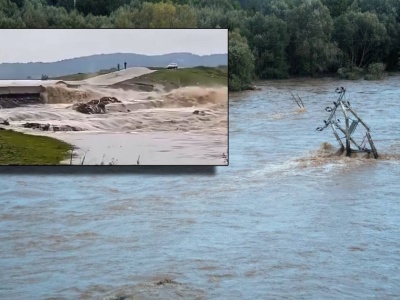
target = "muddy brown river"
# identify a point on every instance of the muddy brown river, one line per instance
(287, 219)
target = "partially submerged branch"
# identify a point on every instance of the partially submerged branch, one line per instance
(298, 101)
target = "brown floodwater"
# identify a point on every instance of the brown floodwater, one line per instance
(288, 219)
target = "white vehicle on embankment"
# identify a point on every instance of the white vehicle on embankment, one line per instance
(172, 66)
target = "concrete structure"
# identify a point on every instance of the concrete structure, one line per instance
(21, 90)
(24, 86)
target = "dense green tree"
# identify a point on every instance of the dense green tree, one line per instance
(268, 38)
(9, 7)
(67, 4)
(360, 36)
(19, 3)
(279, 8)
(96, 7)
(98, 22)
(73, 20)
(10, 23)
(160, 15)
(10, 15)
(167, 15)
(225, 5)
(181, 2)
(241, 62)
(34, 14)
(208, 17)
(387, 12)
(155, 15)
(337, 7)
(311, 49)
(252, 5)
(185, 17)
(379, 7)
(55, 16)
(124, 17)
(217, 18)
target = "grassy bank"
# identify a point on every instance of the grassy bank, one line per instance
(23, 149)
(171, 79)
(203, 76)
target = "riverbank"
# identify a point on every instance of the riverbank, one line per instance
(255, 86)
(18, 148)
(204, 76)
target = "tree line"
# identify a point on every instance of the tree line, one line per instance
(271, 39)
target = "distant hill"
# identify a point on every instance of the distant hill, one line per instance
(95, 63)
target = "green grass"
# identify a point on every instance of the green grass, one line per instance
(23, 149)
(203, 76)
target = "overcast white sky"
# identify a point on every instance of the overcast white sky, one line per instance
(48, 45)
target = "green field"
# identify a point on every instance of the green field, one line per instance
(203, 76)
(22, 149)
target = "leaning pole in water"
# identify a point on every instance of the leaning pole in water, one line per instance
(351, 122)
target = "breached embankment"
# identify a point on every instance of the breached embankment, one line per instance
(196, 96)
(60, 93)
(181, 97)
(110, 110)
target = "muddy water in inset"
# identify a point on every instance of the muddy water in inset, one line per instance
(132, 128)
(288, 219)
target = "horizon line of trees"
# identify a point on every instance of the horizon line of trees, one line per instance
(267, 39)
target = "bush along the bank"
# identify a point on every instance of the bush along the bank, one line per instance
(376, 71)
(353, 73)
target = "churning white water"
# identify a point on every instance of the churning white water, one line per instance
(200, 138)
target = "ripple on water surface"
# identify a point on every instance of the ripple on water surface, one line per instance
(289, 218)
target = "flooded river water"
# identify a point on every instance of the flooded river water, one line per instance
(287, 219)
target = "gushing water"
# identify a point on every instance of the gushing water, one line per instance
(154, 115)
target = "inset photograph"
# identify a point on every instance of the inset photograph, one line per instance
(114, 97)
